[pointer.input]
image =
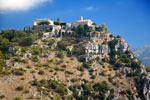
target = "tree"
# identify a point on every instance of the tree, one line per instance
(4, 43)
(28, 41)
(101, 87)
(118, 36)
(94, 23)
(58, 22)
(10, 34)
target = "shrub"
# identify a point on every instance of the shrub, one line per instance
(2, 64)
(69, 72)
(74, 80)
(41, 72)
(60, 54)
(35, 59)
(18, 59)
(93, 76)
(101, 87)
(52, 84)
(51, 42)
(86, 65)
(17, 98)
(63, 66)
(29, 67)
(62, 44)
(135, 65)
(80, 69)
(61, 89)
(19, 71)
(118, 36)
(20, 88)
(78, 51)
(147, 69)
(35, 83)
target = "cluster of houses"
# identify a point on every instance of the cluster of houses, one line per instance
(99, 40)
(54, 29)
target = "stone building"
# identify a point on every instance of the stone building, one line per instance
(82, 22)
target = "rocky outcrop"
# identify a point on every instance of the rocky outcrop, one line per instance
(145, 86)
(121, 45)
(104, 49)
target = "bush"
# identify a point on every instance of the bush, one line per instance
(101, 87)
(53, 84)
(93, 76)
(86, 65)
(62, 44)
(118, 36)
(147, 69)
(51, 42)
(35, 83)
(35, 59)
(61, 89)
(41, 72)
(78, 51)
(20, 88)
(19, 71)
(80, 69)
(69, 72)
(2, 64)
(18, 59)
(17, 98)
(60, 54)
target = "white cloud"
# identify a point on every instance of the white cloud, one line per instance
(19, 5)
(90, 8)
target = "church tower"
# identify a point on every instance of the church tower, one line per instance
(81, 18)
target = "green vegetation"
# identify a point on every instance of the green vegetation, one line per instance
(128, 93)
(81, 30)
(44, 23)
(20, 88)
(35, 59)
(17, 98)
(2, 64)
(41, 72)
(60, 54)
(93, 76)
(69, 72)
(86, 65)
(19, 71)
(63, 44)
(101, 28)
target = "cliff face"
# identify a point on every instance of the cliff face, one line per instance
(97, 66)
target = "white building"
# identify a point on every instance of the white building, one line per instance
(82, 22)
(92, 48)
(35, 23)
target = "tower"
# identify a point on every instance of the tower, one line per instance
(81, 18)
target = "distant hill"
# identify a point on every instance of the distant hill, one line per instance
(143, 53)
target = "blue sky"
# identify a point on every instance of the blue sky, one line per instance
(129, 18)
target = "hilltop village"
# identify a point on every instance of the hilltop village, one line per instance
(98, 39)
(55, 60)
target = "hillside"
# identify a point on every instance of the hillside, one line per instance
(143, 53)
(60, 62)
